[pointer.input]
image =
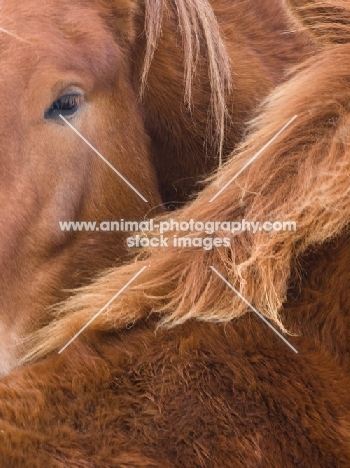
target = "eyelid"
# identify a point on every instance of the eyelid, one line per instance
(71, 91)
(65, 87)
(72, 98)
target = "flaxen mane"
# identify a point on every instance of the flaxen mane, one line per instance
(197, 25)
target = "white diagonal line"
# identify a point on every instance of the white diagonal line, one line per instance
(14, 35)
(104, 159)
(253, 158)
(254, 309)
(103, 308)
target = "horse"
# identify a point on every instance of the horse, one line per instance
(176, 371)
(160, 89)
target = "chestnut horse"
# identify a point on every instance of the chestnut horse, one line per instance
(160, 88)
(219, 389)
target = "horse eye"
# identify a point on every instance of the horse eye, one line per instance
(66, 105)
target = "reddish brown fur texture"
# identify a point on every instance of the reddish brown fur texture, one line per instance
(200, 394)
(162, 141)
(132, 392)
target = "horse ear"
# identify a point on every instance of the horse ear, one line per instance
(329, 20)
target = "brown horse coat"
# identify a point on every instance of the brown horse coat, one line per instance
(129, 392)
(200, 394)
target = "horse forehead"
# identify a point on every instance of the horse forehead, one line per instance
(65, 34)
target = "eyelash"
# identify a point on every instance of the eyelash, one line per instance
(66, 105)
